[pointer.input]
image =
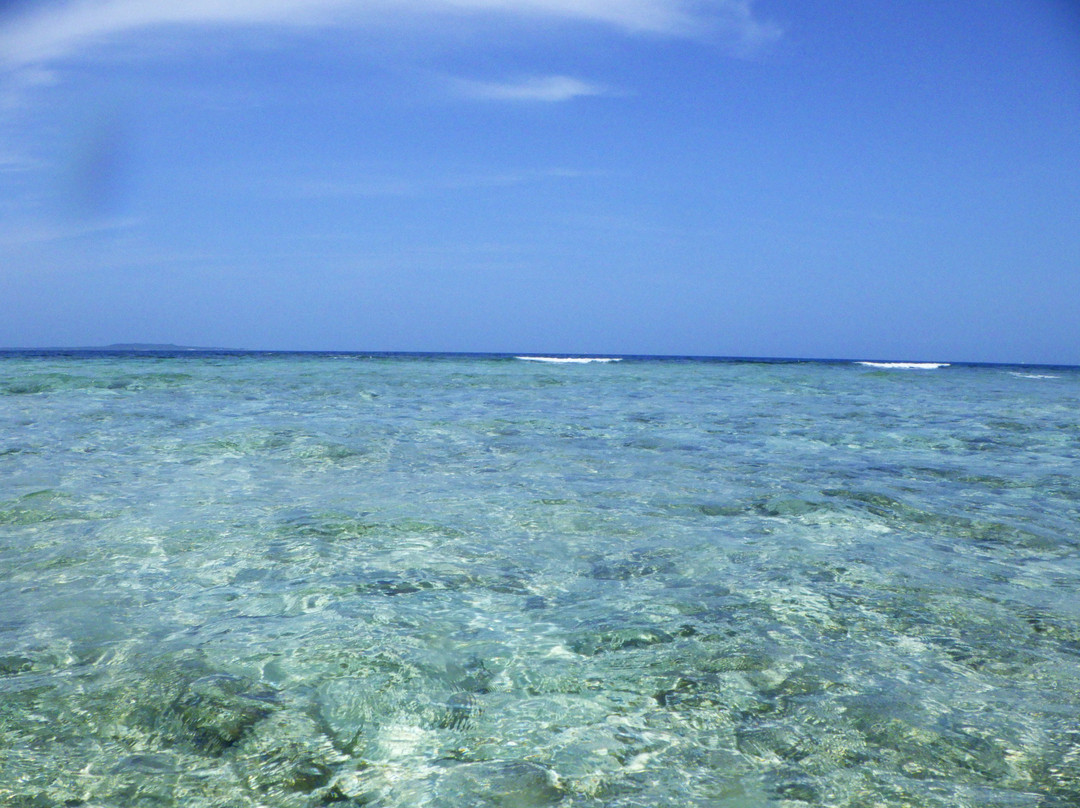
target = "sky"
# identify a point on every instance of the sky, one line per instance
(838, 179)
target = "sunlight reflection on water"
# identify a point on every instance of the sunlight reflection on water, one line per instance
(285, 580)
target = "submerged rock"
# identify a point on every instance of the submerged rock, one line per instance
(592, 643)
(14, 663)
(721, 509)
(797, 790)
(637, 566)
(287, 757)
(459, 711)
(925, 746)
(214, 712)
(499, 784)
(391, 587)
(471, 675)
(765, 740)
(786, 506)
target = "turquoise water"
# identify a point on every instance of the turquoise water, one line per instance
(303, 580)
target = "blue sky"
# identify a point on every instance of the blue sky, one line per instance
(892, 180)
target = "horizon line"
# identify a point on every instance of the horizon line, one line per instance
(149, 348)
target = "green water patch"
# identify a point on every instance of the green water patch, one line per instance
(330, 452)
(137, 382)
(255, 442)
(638, 563)
(366, 545)
(462, 579)
(900, 516)
(1054, 769)
(720, 509)
(137, 740)
(1062, 485)
(607, 640)
(337, 526)
(54, 382)
(15, 663)
(1063, 633)
(783, 506)
(38, 383)
(285, 444)
(209, 714)
(498, 784)
(329, 526)
(43, 506)
(929, 746)
(965, 476)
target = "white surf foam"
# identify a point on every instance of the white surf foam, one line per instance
(1033, 375)
(906, 365)
(575, 360)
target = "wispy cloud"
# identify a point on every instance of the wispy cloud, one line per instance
(47, 31)
(536, 88)
(412, 187)
(29, 233)
(11, 163)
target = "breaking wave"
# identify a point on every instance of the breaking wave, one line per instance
(906, 365)
(1033, 375)
(570, 360)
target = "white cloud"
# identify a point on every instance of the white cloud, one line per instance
(54, 30)
(538, 88)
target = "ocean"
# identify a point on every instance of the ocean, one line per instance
(258, 579)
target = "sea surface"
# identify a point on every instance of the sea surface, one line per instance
(241, 580)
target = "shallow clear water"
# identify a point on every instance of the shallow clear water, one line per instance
(289, 580)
